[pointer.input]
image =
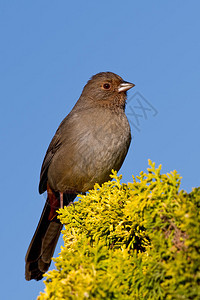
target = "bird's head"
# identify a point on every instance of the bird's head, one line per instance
(107, 89)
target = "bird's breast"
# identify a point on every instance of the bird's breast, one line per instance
(95, 144)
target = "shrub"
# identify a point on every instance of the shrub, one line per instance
(139, 240)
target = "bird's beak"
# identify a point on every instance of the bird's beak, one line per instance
(125, 86)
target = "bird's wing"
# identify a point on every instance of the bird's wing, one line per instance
(53, 147)
(62, 134)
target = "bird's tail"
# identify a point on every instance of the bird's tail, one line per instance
(43, 243)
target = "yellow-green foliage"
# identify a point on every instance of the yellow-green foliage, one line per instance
(139, 240)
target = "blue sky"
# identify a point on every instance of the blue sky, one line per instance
(49, 49)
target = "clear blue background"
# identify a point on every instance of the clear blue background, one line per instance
(48, 51)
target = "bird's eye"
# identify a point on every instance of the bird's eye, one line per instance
(106, 86)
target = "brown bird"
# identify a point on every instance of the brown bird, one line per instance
(91, 141)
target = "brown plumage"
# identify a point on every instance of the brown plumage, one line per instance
(91, 141)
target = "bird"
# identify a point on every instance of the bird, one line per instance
(93, 139)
